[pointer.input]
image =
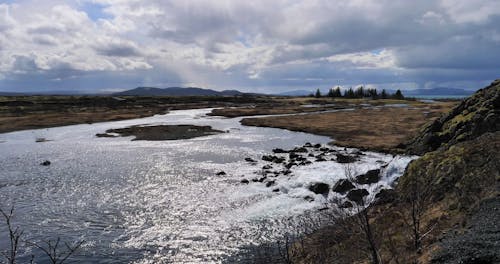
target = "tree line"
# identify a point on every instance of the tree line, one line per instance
(360, 92)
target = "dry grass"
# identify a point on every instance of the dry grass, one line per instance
(377, 129)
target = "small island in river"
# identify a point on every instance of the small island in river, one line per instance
(161, 132)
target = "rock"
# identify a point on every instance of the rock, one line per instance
(287, 172)
(317, 146)
(221, 173)
(261, 179)
(300, 150)
(319, 188)
(385, 196)
(272, 158)
(104, 135)
(276, 190)
(309, 198)
(270, 183)
(278, 150)
(324, 149)
(293, 155)
(291, 164)
(245, 181)
(370, 177)
(255, 180)
(311, 155)
(357, 195)
(343, 186)
(473, 117)
(45, 163)
(308, 145)
(345, 158)
(319, 159)
(267, 167)
(250, 160)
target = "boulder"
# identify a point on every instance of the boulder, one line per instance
(221, 173)
(245, 181)
(267, 167)
(276, 189)
(319, 188)
(320, 159)
(300, 150)
(308, 145)
(370, 177)
(250, 160)
(278, 150)
(317, 146)
(45, 163)
(346, 158)
(270, 183)
(309, 198)
(343, 186)
(357, 195)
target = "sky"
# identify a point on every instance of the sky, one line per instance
(250, 45)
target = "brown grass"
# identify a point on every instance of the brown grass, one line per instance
(377, 129)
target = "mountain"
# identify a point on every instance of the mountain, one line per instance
(296, 93)
(176, 91)
(438, 91)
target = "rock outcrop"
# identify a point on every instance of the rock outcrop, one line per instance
(473, 117)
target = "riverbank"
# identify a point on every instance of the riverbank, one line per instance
(34, 112)
(382, 128)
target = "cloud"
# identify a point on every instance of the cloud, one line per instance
(264, 45)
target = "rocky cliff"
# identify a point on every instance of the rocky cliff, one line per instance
(473, 117)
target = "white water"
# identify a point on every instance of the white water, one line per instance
(154, 201)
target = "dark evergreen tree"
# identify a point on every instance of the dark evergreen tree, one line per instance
(337, 92)
(398, 95)
(318, 94)
(331, 93)
(383, 94)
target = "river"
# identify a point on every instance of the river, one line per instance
(160, 201)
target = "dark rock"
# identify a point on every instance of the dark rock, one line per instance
(291, 164)
(385, 196)
(308, 145)
(311, 155)
(300, 150)
(221, 173)
(294, 155)
(255, 180)
(104, 135)
(245, 181)
(343, 186)
(317, 146)
(287, 172)
(272, 158)
(478, 243)
(270, 183)
(319, 188)
(250, 160)
(267, 167)
(324, 149)
(372, 176)
(357, 195)
(278, 150)
(319, 159)
(346, 158)
(309, 198)
(261, 179)
(276, 190)
(45, 163)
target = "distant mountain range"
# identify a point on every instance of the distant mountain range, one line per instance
(176, 91)
(438, 91)
(195, 91)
